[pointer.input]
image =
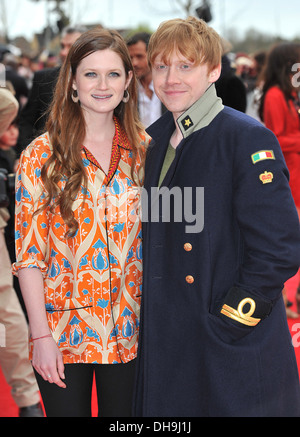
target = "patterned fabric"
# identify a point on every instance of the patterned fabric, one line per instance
(92, 281)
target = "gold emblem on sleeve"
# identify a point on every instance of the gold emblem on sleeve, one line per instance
(239, 315)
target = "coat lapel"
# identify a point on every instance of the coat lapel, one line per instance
(160, 132)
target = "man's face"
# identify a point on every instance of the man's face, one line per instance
(66, 43)
(180, 83)
(138, 54)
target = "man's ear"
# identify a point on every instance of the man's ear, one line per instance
(215, 74)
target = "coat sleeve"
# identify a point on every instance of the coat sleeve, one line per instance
(268, 223)
(266, 215)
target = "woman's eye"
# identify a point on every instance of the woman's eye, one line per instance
(90, 74)
(114, 74)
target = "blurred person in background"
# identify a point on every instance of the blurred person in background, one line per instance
(230, 88)
(18, 82)
(149, 106)
(26, 68)
(14, 361)
(280, 112)
(34, 115)
(254, 94)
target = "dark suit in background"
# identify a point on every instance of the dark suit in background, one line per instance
(34, 115)
(18, 82)
(231, 88)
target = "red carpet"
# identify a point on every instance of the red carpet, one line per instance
(8, 408)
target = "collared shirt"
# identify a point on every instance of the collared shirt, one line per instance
(201, 113)
(198, 116)
(92, 281)
(149, 109)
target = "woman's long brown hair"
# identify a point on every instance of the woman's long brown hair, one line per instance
(66, 124)
(278, 71)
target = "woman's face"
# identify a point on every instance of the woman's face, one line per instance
(100, 82)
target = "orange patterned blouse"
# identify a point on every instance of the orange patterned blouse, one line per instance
(92, 281)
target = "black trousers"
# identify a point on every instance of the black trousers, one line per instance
(114, 384)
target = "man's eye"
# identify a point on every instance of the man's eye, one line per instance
(161, 67)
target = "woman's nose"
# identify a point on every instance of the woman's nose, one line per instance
(102, 82)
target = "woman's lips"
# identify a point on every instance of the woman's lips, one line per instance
(100, 97)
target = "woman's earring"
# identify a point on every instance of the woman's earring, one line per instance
(126, 96)
(75, 97)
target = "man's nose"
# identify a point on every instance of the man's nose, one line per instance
(172, 75)
(134, 61)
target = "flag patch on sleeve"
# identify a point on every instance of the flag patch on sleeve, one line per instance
(262, 155)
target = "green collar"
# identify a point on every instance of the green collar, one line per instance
(202, 113)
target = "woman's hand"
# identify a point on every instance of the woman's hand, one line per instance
(48, 362)
(46, 359)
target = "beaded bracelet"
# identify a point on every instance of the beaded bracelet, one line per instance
(39, 338)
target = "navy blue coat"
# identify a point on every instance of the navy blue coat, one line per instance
(198, 356)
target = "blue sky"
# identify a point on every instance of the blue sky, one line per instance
(268, 16)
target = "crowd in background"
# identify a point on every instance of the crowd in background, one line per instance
(248, 83)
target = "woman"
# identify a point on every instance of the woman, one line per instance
(280, 111)
(78, 232)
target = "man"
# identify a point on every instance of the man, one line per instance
(231, 88)
(14, 360)
(15, 79)
(220, 238)
(150, 107)
(34, 115)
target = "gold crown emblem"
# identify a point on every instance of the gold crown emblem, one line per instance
(266, 177)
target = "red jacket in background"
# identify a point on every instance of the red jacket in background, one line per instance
(283, 119)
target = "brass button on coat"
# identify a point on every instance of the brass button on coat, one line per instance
(190, 279)
(188, 247)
